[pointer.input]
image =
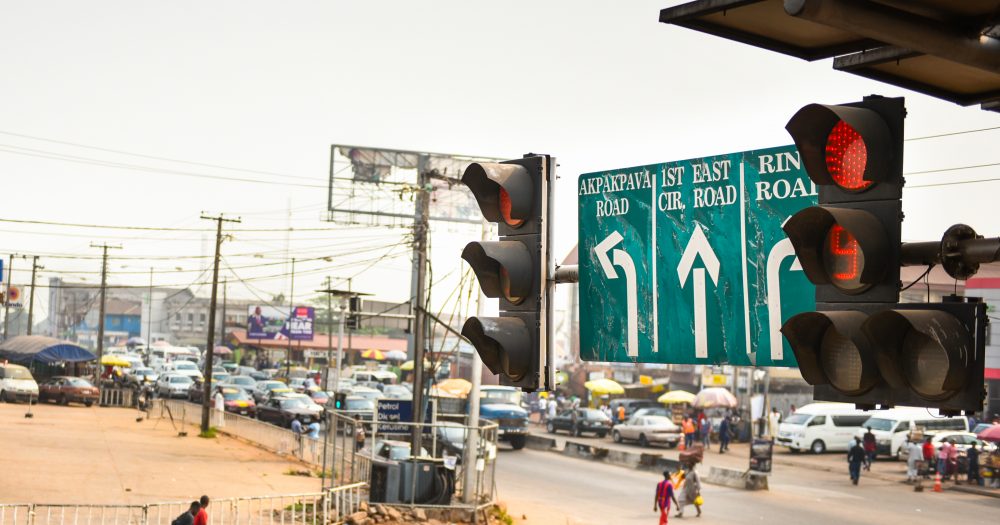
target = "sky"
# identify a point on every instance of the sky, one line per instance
(142, 113)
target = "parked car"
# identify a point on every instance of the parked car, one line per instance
(359, 408)
(392, 450)
(502, 405)
(16, 383)
(397, 392)
(647, 430)
(65, 390)
(892, 427)
(587, 420)
(962, 440)
(367, 393)
(319, 397)
(821, 427)
(297, 384)
(264, 390)
(136, 376)
(196, 389)
(245, 382)
(631, 405)
(182, 367)
(259, 376)
(238, 401)
(654, 411)
(173, 385)
(281, 410)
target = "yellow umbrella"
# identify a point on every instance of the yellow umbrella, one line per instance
(453, 387)
(408, 365)
(675, 397)
(377, 355)
(604, 387)
(113, 360)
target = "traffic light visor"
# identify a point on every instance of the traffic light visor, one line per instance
(845, 247)
(928, 350)
(503, 343)
(831, 349)
(504, 191)
(845, 146)
(504, 268)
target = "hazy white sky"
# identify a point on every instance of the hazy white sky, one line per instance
(268, 86)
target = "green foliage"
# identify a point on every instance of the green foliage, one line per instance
(212, 432)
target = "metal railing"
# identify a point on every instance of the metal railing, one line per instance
(331, 506)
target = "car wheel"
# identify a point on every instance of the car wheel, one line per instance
(672, 444)
(3, 396)
(818, 447)
(550, 428)
(616, 436)
(63, 400)
(643, 442)
(518, 442)
(89, 403)
(602, 435)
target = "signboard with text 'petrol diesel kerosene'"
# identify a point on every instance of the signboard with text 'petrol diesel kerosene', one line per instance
(686, 262)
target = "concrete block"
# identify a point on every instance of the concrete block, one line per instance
(736, 479)
(539, 442)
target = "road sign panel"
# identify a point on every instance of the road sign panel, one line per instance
(686, 262)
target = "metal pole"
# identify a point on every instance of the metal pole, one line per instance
(340, 345)
(149, 322)
(6, 296)
(104, 284)
(420, 232)
(291, 308)
(210, 339)
(225, 299)
(472, 439)
(350, 331)
(329, 336)
(31, 298)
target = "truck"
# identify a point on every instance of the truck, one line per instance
(502, 405)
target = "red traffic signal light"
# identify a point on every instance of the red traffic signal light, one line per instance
(507, 193)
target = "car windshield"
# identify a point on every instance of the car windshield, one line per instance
(877, 423)
(17, 373)
(78, 382)
(180, 379)
(500, 397)
(396, 389)
(797, 419)
(184, 365)
(235, 395)
(242, 380)
(658, 421)
(593, 413)
(293, 402)
(142, 371)
(274, 385)
(359, 404)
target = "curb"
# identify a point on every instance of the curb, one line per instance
(980, 491)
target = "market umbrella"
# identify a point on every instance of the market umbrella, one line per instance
(409, 365)
(395, 355)
(113, 360)
(160, 344)
(990, 434)
(604, 387)
(222, 350)
(453, 387)
(377, 355)
(714, 397)
(135, 341)
(676, 396)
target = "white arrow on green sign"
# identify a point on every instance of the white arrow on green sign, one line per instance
(686, 262)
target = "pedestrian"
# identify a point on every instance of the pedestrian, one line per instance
(724, 434)
(552, 407)
(187, 518)
(773, 420)
(690, 490)
(574, 421)
(704, 429)
(855, 458)
(621, 414)
(868, 442)
(953, 460)
(928, 449)
(219, 401)
(297, 433)
(543, 409)
(973, 455)
(312, 431)
(687, 426)
(942, 462)
(202, 517)
(915, 454)
(359, 437)
(664, 495)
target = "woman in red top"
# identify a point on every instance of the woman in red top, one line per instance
(928, 451)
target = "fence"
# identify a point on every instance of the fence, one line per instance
(117, 396)
(331, 506)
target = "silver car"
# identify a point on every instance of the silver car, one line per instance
(648, 429)
(173, 385)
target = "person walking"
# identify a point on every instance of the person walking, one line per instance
(219, 402)
(973, 455)
(688, 427)
(202, 517)
(773, 421)
(690, 490)
(312, 432)
(868, 443)
(552, 407)
(942, 459)
(724, 434)
(187, 518)
(664, 495)
(297, 432)
(359, 437)
(543, 409)
(953, 460)
(855, 458)
(928, 449)
(915, 454)
(621, 414)
(704, 429)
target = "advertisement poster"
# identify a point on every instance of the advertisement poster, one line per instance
(275, 323)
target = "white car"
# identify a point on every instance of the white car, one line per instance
(173, 385)
(648, 429)
(185, 368)
(247, 383)
(16, 383)
(962, 440)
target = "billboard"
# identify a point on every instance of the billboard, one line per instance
(275, 323)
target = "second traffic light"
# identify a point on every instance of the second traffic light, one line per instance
(513, 269)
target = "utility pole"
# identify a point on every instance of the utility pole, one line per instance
(104, 285)
(472, 438)
(149, 321)
(350, 331)
(291, 308)
(31, 298)
(421, 225)
(225, 299)
(210, 345)
(329, 336)
(6, 295)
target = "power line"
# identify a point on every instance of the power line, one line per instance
(167, 229)
(952, 134)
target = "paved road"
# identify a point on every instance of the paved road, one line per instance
(551, 489)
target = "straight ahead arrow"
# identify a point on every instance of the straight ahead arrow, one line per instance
(698, 246)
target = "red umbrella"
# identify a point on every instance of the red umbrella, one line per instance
(990, 434)
(222, 350)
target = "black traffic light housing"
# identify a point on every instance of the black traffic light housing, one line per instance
(339, 400)
(513, 269)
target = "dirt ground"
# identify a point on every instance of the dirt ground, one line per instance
(73, 454)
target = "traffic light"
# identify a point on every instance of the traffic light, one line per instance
(339, 400)
(513, 269)
(861, 345)
(353, 321)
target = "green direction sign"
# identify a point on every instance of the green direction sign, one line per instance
(686, 262)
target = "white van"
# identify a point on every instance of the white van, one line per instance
(379, 376)
(819, 427)
(892, 427)
(16, 383)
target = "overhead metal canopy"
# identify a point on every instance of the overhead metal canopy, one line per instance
(945, 48)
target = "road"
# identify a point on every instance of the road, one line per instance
(549, 488)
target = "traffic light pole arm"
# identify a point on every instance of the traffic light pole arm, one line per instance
(569, 273)
(960, 251)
